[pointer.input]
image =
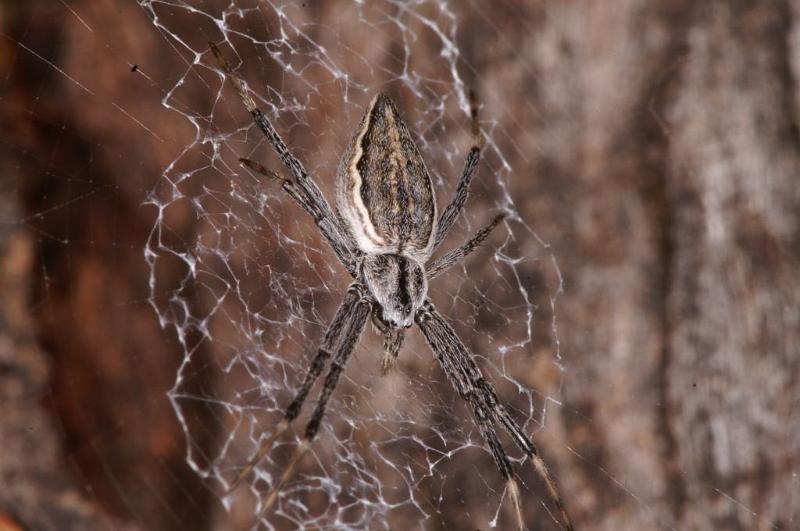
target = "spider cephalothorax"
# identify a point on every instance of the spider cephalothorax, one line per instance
(384, 232)
(398, 285)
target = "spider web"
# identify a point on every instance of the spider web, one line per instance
(258, 284)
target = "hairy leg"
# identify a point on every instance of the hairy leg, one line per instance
(450, 213)
(351, 333)
(465, 375)
(308, 193)
(443, 342)
(333, 337)
(453, 257)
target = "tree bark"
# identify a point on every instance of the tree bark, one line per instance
(654, 145)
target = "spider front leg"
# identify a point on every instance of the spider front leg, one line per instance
(464, 374)
(350, 334)
(307, 193)
(332, 340)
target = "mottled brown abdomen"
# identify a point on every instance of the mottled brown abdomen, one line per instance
(384, 192)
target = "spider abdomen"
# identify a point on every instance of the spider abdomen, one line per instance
(384, 192)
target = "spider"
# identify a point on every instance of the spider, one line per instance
(384, 232)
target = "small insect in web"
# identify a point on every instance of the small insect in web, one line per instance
(384, 232)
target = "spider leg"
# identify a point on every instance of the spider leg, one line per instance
(465, 375)
(445, 345)
(451, 258)
(308, 193)
(450, 213)
(351, 333)
(332, 339)
(297, 194)
(524, 442)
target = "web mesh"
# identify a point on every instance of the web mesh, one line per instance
(258, 284)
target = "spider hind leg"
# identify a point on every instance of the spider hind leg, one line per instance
(451, 212)
(301, 187)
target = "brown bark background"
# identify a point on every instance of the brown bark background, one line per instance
(655, 146)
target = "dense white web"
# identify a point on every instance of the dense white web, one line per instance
(258, 284)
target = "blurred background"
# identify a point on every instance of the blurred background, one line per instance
(650, 149)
